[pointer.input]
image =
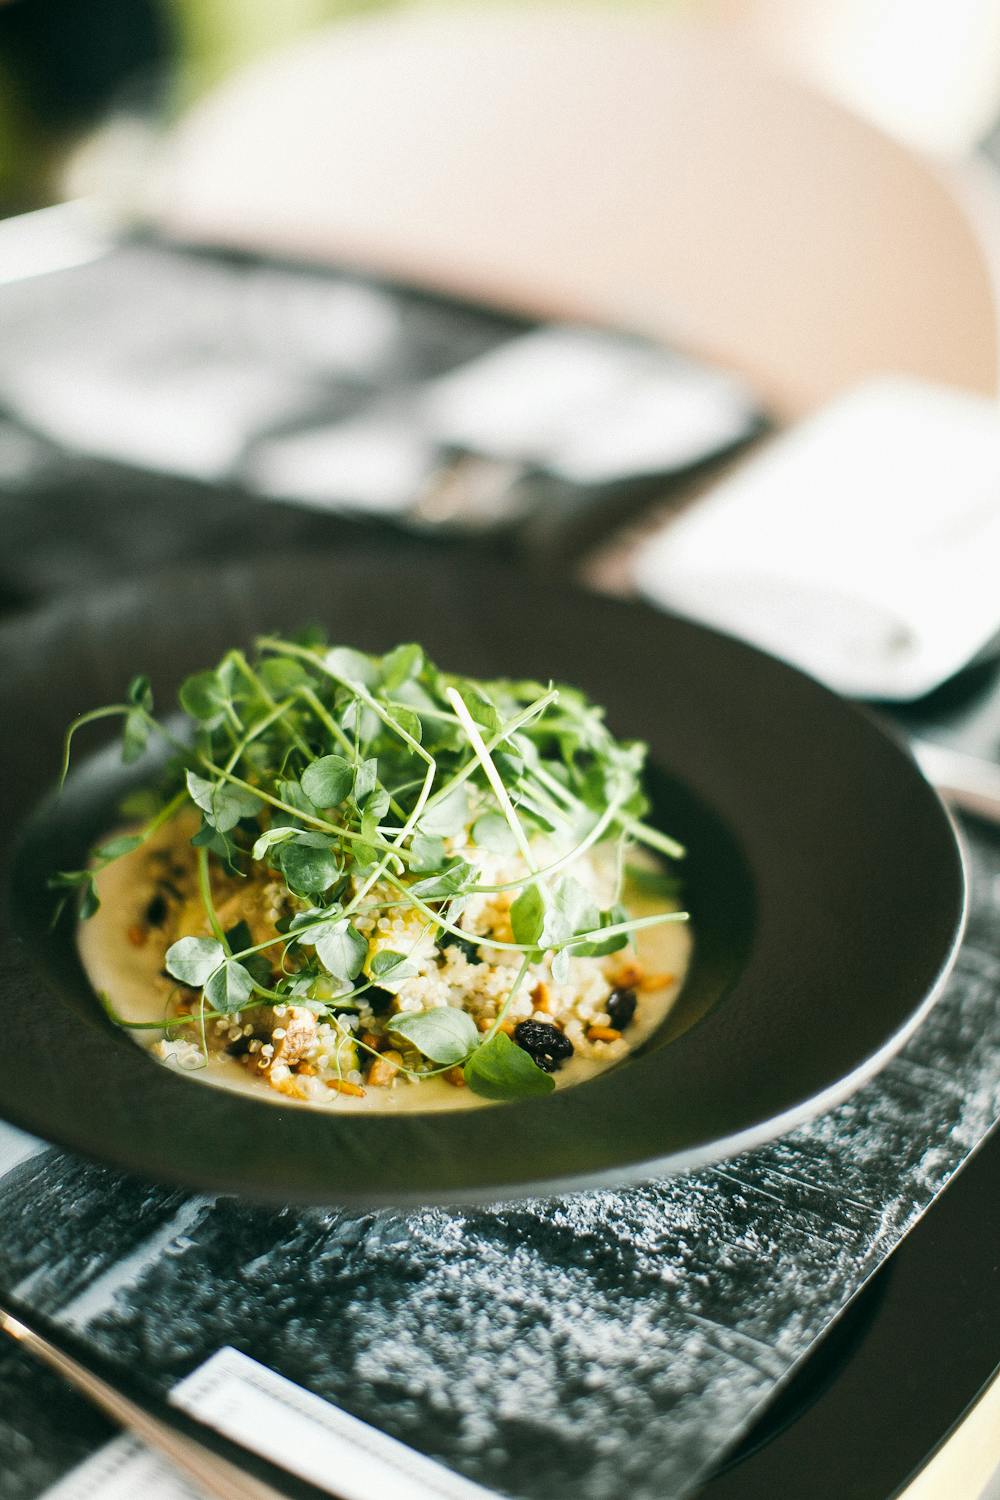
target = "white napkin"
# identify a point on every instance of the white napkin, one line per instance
(862, 545)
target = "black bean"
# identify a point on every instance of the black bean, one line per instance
(621, 1008)
(546, 1045)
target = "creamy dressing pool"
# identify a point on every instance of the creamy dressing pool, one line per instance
(130, 978)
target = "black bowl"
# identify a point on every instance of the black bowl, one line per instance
(823, 878)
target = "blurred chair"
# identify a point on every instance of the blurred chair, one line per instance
(623, 168)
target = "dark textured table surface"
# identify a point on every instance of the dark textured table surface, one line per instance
(612, 1343)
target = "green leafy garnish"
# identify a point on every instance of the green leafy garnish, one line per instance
(499, 1069)
(444, 1034)
(373, 787)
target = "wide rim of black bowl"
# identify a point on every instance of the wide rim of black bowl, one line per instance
(842, 854)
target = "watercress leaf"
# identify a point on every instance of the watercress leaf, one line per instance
(444, 1034)
(135, 737)
(493, 832)
(139, 693)
(230, 987)
(115, 848)
(269, 838)
(427, 852)
(481, 707)
(223, 804)
(447, 817)
(500, 1069)
(391, 968)
(309, 863)
(365, 780)
(342, 950)
(351, 666)
(598, 947)
(292, 793)
(204, 697)
(361, 721)
(576, 905)
(400, 665)
(327, 781)
(452, 881)
(527, 916)
(312, 924)
(219, 844)
(408, 721)
(193, 959)
(281, 675)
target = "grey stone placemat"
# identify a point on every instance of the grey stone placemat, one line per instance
(602, 1345)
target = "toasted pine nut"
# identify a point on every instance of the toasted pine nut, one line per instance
(382, 1073)
(137, 935)
(455, 1076)
(540, 997)
(657, 981)
(343, 1087)
(602, 1034)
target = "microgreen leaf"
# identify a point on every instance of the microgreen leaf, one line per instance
(309, 862)
(269, 838)
(204, 697)
(493, 832)
(342, 950)
(327, 781)
(458, 877)
(500, 1069)
(427, 852)
(281, 675)
(445, 1034)
(351, 666)
(223, 804)
(391, 968)
(527, 916)
(447, 817)
(193, 959)
(115, 848)
(139, 693)
(400, 665)
(135, 736)
(230, 987)
(598, 947)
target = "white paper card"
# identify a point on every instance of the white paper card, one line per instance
(278, 1420)
(123, 1469)
(862, 545)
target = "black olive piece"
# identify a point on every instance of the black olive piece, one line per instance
(464, 945)
(546, 1045)
(239, 1047)
(156, 911)
(379, 1000)
(621, 1008)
